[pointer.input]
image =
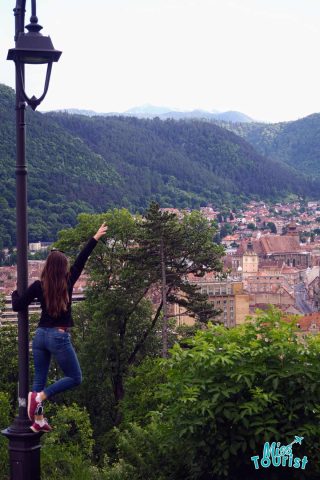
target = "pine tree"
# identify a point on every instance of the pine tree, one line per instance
(172, 249)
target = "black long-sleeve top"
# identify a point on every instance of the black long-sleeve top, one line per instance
(35, 291)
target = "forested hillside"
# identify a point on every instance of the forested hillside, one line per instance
(65, 176)
(295, 143)
(77, 163)
(182, 163)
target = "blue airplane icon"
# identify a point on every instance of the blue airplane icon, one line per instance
(298, 439)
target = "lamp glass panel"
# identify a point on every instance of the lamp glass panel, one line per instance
(35, 77)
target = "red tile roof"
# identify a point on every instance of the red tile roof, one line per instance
(279, 244)
(309, 322)
(271, 244)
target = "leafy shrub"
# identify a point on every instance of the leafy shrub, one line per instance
(4, 423)
(9, 362)
(140, 386)
(227, 394)
(67, 450)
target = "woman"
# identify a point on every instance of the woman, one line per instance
(52, 337)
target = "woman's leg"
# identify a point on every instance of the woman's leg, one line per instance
(41, 360)
(65, 355)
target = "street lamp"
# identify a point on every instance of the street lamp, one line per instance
(30, 48)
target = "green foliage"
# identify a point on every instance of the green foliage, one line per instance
(104, 376)
(183, 163)
(4, 423)
(65, 177)
(66, 451)
(72, 430)
(139, 456)
(61, 464)
(294, 143)
(225, 230)
(9, 361)
(140, 386)
(2, 302)
(251, 226)
(227, 394)
(272, 227)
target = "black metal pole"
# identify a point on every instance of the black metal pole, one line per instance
(22, 251)
(24, 445)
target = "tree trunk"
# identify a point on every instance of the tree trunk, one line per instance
(164, 304)
(118, 391)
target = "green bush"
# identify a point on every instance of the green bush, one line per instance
(58, 463)
(4, 423)
(9, 362)
(139, 456)
(225, 395)
(67, 450)
(140, 386)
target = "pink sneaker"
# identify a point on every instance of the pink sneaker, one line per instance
(36, 427)
(32, 405)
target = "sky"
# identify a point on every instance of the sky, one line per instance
(260, 57)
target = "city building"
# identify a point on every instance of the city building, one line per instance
(309, 323)
(279, 248)
(227, 296)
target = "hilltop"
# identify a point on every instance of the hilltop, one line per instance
(152, 111)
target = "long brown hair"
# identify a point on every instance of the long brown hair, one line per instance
(54, 279)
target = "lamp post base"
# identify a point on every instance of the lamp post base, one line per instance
(24, 453)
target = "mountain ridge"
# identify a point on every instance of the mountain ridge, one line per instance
(152, 111)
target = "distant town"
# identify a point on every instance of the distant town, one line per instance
(272, 257)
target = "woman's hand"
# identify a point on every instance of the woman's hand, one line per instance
(102, 231)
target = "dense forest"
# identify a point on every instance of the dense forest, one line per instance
(295, 143)
(181, 163)
(90, 164)
(65, 176)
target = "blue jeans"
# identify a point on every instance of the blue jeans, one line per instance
(49, 342)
